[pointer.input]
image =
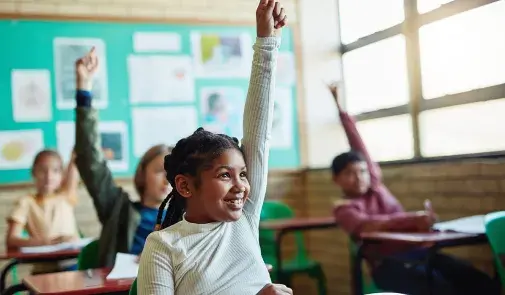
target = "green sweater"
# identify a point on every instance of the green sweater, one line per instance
(118, 215)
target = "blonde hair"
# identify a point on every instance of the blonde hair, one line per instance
(140, 173)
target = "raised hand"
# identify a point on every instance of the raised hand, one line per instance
(275, 289)
(333, 87)
(85, 69)
(270, 18)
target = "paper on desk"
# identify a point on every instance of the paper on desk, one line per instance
(125, 267)
(58, 247)
(471, 225)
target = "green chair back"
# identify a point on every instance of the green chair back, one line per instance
(368, 284)
(133, 288)
(88, 258)
(495, 231)
(276, 210)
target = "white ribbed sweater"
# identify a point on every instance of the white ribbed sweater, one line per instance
(223, 257)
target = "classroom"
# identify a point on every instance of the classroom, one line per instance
(370, 128)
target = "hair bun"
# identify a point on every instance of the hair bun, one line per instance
(235, 140)
(168, 162)
(200, 129)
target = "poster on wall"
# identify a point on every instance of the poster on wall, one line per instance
(222, 110)
(18, 148)
(66, 52)
(156, 42)
(286, 70)
(220, 55)
(160, 78)
(31, 95)
(114, 141)
(282, 126)
(161, 125)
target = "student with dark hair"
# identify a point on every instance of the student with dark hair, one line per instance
(209, 238)
(125, 224)
(369, 206)
(47, 217)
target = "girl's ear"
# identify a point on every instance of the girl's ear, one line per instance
(184, 185)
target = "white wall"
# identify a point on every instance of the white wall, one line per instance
(321, 63)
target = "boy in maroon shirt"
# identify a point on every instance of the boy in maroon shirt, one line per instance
(369, 206)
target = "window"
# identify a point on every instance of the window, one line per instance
(424, 6)
(447, 59)
(376, 76)
(388, 138)
(464, 129)
(463, 52)
(359, 18)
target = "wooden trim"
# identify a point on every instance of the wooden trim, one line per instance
(303, 145)
(414, 69)
(382, 113)
(472, 96)
(495, 156)
(373, 38)
(123, 19)
(451, 9)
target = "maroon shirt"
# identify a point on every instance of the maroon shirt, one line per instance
(377, 204)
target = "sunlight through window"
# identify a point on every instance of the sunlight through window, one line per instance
(359, 18)
(463, 129)
(388, 138)
(376, 76)
(464, 52)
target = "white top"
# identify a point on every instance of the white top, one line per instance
(223, 257)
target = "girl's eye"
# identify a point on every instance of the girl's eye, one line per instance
(225, 175)
(243, 174)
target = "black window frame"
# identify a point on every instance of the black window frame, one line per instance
(413, 21)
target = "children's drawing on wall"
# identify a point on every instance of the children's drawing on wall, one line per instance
(222, 110)
(31, 95)
(282, 126)
(221, 55)
(18, 148)
(161, 125)
(113, 136)
(161, 78)
(66, 52)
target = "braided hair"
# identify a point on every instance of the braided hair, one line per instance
(188, 157)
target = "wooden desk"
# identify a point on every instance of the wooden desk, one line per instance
(91, 281)
(17, 257)
(419, 238)
(437, 240)
(283, 226)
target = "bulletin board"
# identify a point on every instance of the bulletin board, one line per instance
(157, 83)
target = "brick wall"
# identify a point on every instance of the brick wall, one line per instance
(456, 189)
(207, 10)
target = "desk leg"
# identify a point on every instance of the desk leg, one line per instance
(278, 254)
(5, 273)
(429, 269)
(357, 273)
(14, 289)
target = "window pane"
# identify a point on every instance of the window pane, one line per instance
(389, 138)
(464, 129)
(359, 18)
(424, 6)
(376, 76)
(464, 52)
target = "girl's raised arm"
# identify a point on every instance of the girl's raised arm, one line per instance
(258, 113)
